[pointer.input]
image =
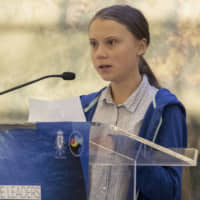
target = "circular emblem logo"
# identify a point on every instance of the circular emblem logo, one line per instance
(76, 143)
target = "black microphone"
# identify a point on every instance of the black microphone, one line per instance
(64, 76)
(68, 75)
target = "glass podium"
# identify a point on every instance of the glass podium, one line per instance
(115, 155)
(78, 160)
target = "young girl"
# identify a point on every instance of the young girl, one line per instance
(134, 100)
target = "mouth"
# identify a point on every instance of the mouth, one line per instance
(104, 66)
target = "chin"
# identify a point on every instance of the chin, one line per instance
(106, 78)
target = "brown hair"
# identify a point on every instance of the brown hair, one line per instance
(137, 24)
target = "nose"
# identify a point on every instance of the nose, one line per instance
(101, 52)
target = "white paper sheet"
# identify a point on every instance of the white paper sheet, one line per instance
(68, 109)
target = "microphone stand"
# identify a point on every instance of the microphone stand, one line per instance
(65, 76)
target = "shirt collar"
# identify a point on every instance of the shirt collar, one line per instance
(133, 100)
(136, 97)
(106, 96)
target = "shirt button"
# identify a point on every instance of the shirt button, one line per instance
(104, 188)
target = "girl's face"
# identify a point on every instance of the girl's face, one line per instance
(115, 52)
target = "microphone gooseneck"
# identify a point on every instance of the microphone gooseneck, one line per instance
(64, 76)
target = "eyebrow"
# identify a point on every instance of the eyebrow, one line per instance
(107, 37)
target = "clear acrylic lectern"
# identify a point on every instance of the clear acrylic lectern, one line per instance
(114, 155)
(77, 160)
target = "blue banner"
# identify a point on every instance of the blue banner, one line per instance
(48, 162)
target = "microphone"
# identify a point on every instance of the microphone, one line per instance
(68, 75)
(64, 76)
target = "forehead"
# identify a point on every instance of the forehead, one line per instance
(105, 27)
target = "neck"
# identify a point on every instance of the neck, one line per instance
(121, 91)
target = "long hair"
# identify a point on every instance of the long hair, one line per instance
(137, 24)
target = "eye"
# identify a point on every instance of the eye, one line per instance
(93, 43)
(111, 42)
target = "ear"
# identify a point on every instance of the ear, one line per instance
(142, 46)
